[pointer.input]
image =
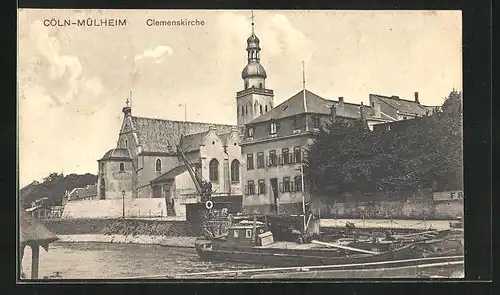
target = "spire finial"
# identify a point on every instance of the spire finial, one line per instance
(253, 24)
(303, 75)
(127, 102)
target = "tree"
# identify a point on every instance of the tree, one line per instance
(54, 187)
(421, 153)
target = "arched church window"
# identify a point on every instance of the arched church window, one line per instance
(246, 110)
(265, 109)
(158, 165)
(103, 189)
(126, 143)
(242, 110)
(235, 171)
(213, 169)
(261, 109)
(122, 167)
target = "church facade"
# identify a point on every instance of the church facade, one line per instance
(147, 150)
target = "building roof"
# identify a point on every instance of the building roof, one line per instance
(315, 104)
(158, 135)
(225, 136)
(171, 174)
(117, 153)
(294, 106)
(83, 192)
(403, 105)
(253, 68)
(192, 142)
(351, 110)
(31, 231)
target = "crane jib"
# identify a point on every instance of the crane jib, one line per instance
(203, 187)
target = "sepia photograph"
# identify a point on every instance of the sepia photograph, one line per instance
(239, 144)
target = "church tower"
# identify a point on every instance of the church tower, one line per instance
(254, 100)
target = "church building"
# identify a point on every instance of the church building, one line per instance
(254, 166)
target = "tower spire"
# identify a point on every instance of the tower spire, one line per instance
(304, 87)
(303, 75)
(253, 24)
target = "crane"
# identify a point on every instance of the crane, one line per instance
(203, 187)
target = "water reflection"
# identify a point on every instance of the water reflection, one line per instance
(114, 261)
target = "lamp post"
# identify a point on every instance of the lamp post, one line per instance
(123, 203)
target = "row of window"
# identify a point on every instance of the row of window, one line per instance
(273, 126)
(274, 159)
(286, 186)
(244, 109)
(213, 171)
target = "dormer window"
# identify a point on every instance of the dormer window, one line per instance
(272, 128)
(250, 132)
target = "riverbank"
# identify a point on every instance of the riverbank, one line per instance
(387, 224)
(119, 226)
(179, 242)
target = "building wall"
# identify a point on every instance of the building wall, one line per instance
(252, 101)
(116, 181)
(263, 202)
(213, 148)
(384, 107)
(233, 150)
(147, 172)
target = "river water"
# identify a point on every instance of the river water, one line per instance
(90, 260)
(115, 261)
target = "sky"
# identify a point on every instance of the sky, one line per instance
(73, 81)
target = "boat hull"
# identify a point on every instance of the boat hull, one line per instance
(290, 257)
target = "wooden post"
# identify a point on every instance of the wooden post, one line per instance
(21, 255)
(35, 256)
(265, 221)
(254, 236)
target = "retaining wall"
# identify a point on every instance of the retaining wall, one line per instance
(418, 209)
(114, 208)
(118, 227)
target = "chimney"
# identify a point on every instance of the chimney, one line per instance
(362, 112)
(416, 97)
(341, 101)
(333, 112)
(377, 112)
(235, 133)
(212, 128)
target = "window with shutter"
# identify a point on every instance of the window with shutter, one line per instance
(298, 183)
(286, 156)
(286, 184)
(249, 161)
(260, 160)
(262, 187)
